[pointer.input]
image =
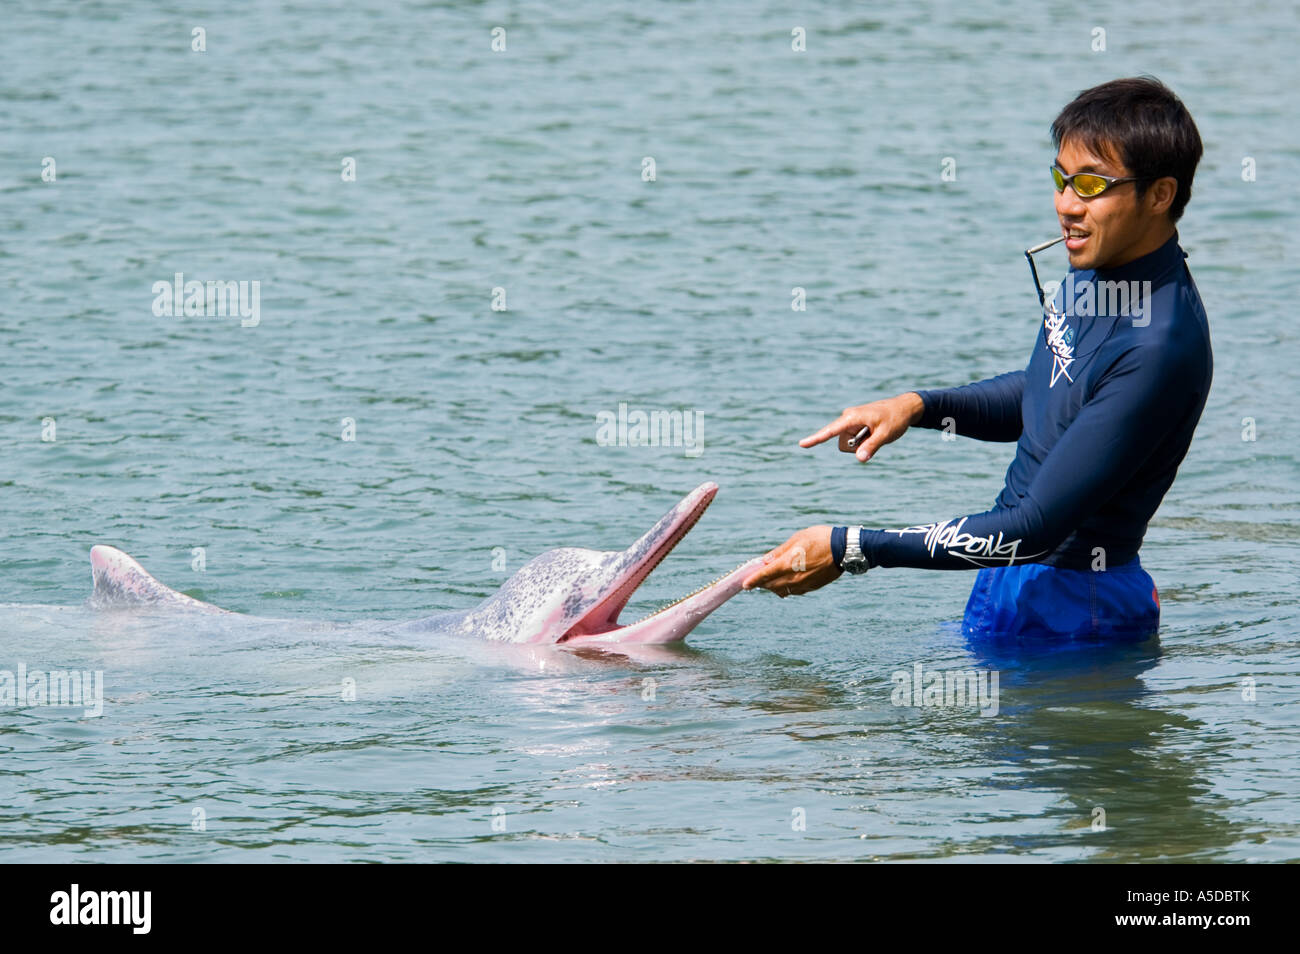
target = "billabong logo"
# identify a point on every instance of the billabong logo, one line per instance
(982, 551)
(103, 907)
(1060, 342)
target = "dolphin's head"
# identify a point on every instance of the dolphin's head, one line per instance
(574, 596)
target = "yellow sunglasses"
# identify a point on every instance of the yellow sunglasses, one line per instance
(1086, 185)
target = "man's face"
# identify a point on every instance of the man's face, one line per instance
(1109, 226)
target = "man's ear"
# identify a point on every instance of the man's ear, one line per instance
(1160, 195)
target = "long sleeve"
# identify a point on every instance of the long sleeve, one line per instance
(986, 410)
(1116, 431)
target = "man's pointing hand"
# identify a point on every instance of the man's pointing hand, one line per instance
(888, 420)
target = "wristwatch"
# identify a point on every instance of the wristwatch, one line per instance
(855, 561)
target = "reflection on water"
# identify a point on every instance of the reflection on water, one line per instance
(1081, 723)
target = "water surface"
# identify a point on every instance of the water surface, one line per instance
(773, 734)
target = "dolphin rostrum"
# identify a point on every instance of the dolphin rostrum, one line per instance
(570, 595)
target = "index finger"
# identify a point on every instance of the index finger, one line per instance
(833, 429)
(770, 568)
(762, 575)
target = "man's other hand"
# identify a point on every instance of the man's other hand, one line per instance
(800, 565)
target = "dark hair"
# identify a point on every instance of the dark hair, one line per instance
(1145, 123)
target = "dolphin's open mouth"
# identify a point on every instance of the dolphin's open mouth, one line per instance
(671, 622)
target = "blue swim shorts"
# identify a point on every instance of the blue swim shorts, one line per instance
(1036, 600)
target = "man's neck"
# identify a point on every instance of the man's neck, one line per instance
(1154, 238)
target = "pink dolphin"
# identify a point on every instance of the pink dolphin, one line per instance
(571, 595)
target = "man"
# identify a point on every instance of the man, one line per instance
(1103, 414)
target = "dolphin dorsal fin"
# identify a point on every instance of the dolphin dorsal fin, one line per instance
(121, 581)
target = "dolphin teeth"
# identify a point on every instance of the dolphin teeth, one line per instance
(668, 606)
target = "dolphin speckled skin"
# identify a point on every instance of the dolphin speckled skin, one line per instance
(570, 595)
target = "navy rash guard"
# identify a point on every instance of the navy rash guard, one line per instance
(1102, 416)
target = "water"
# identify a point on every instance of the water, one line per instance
(773, 734)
